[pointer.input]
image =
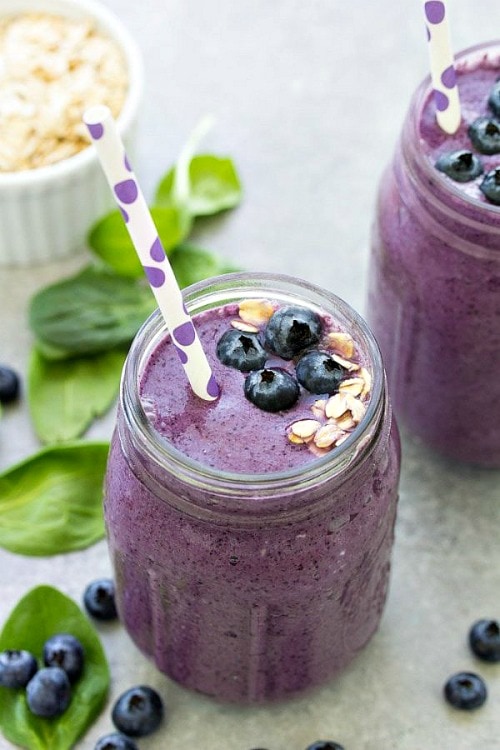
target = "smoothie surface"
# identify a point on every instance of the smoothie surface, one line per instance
(230, 434)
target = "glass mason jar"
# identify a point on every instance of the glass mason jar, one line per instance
(251, 587)
(434, 296)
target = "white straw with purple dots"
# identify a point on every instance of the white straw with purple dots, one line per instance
(144, 236)
(443, 75)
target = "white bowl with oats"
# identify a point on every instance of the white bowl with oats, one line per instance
(58, 57)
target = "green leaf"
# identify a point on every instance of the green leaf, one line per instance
(64, 397)
(214, 186)
(43, 612)
(110, 240)
(191, 264)
(91, 312)
(52, 501)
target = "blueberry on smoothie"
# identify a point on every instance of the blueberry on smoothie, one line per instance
(64, 651)
(290, 330)
(325, 745)
(484, 640)
(48, 693)
(99, 599)
(490, 186)
(241, 350)
(138, 711)
(271, 389)
(319, 373)
(494, 99)
(465, 690)
(460, 166)
(485, 135)
(115, 741)
(9, 385)
(16, 668)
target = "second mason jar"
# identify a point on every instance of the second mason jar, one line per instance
(247, 586)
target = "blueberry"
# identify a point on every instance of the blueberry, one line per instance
(9, 385)
(115, 741)
(484, 640)
(138, 711)
(465, 690)
(325, 745)
(99, 599)
(290, 330)
(494, 99)
(241, 350)
(65, 651)
(319, 373)
(485, 135)
(16, 668)
(461, 166)
(271, 389)
(490, 186)
(48, 693)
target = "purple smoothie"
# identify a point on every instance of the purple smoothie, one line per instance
(434, 284)
(247, 586)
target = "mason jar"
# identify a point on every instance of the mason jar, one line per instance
(251, 587)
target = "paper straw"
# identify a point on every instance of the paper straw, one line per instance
(146, 241)
(442, 67)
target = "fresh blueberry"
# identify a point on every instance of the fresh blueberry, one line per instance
(49, 692)
(484, 640)
(138, 711)
(9, 385)
(65, 651)
(115, 741)
(485, 135)
(461, 166)
(325, 745)
(319, 373)
(241, 350)
(490, 186)
(290, 330)
(494, 99)
(465, 690)
(271, 389)
(16, 668)
(99, 599)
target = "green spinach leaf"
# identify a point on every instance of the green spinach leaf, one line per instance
(43, 612)
(110, 240)
(52, 501)
(191, 264)
(91, 312)
(65, 396)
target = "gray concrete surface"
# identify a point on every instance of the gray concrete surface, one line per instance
(309, 98)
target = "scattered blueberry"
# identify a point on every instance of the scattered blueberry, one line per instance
(485, 135)
(65, 651)
(99, 599)
(290, 330)
(484, 640)
(48, 693)
(9, 385)
(271, 389)
(16, 668)
(319, 373)
(490, 186)
(494, 99)
(325, 745)
(461, 166)
(115, 741)
(138, 711)
(241, 350)
(465, 690)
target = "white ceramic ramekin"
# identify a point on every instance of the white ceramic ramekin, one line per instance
(45, 213)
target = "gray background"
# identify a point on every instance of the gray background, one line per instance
(308, 98)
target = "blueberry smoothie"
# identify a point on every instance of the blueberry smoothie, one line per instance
(434, 286)
(251, 536)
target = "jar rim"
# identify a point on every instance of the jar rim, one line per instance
(211, 293)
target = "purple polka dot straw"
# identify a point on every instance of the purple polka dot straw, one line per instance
(443, 76)
(144, 236)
